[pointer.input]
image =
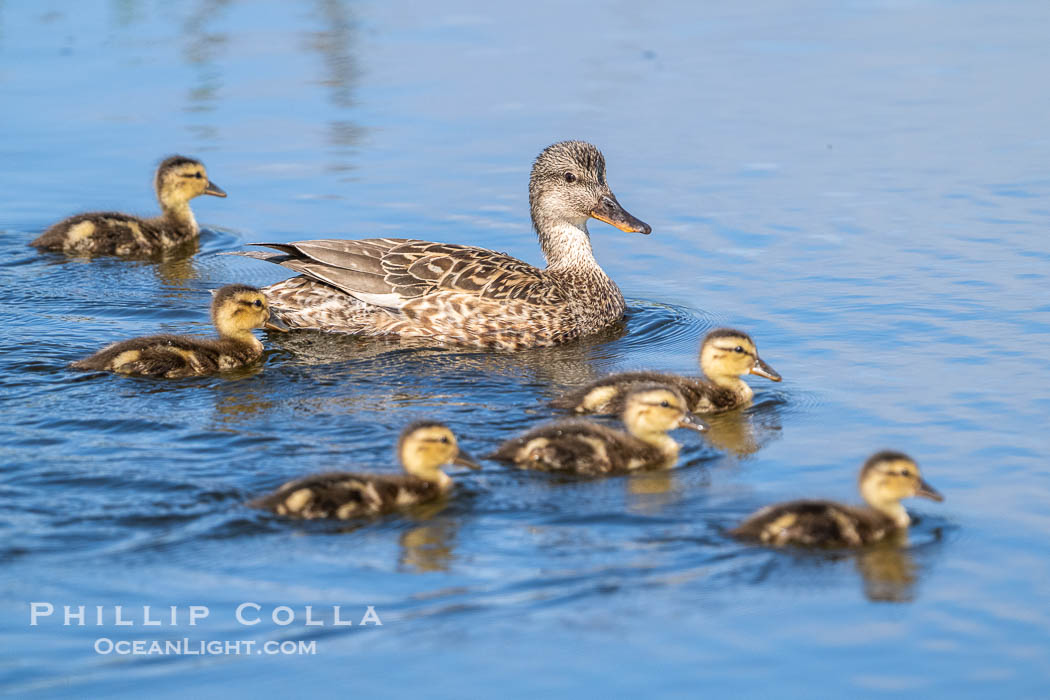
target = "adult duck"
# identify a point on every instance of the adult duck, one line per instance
(458, 294)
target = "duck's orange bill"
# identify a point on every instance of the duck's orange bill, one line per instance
(610, 211)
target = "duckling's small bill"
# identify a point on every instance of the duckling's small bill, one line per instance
(927, 491)
(764, 370)
(273, 323)
(691, 421)
(464, 460)
(214, 190)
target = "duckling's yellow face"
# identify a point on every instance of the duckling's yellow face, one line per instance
(568, 185)
(657, 410)
(424, 449)
(238, 309)
(891, 476)
(181, 179)
(732, 354)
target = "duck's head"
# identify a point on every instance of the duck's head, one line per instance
(179, 179)
(653, 409)
(887, 477)
(237, 309)
(726, 354)
(567, 186)
(426, 446)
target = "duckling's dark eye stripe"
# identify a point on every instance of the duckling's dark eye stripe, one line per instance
(733, 349)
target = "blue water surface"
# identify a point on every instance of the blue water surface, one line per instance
(864, 186)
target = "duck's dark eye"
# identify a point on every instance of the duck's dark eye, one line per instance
(738, 348)
(444, 439)
(665, 404)
(198, 176)
(570, 177)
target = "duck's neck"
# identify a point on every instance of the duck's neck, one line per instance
(566, 246)
(244, 337)
(892, 509)
(661, 441)
(435, 476)
(180, 214)
(733, 383)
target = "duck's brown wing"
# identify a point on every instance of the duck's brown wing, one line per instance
(605, 396)
(170, 356)
(149, 356)
(109, 233)
(813, 524)
(346, 495)
(390, 272)
(572, 446)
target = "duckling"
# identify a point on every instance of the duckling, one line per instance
(725, 355)
(584, 447)
(178, 180)
(235, 311)
(458, 294)
(423, 448)
(885, 479)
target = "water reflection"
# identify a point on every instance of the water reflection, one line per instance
(649, 330)
(125, 12)
(744, 432)
(340, 74)
(176, 268)
(651, 492)
(333, 44)
(202, 48)
(889, 571)
(428, 547)
(450, 368)
(236, 401)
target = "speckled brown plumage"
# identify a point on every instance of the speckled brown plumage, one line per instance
(172, 356)
(725, 354)
(459, 294)
(236, 309)
(885, 479)
(579, 447)
(815, 524)
(702, 396)
(584, 447)
(424, 446)
(346, 495)
(178, 179)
